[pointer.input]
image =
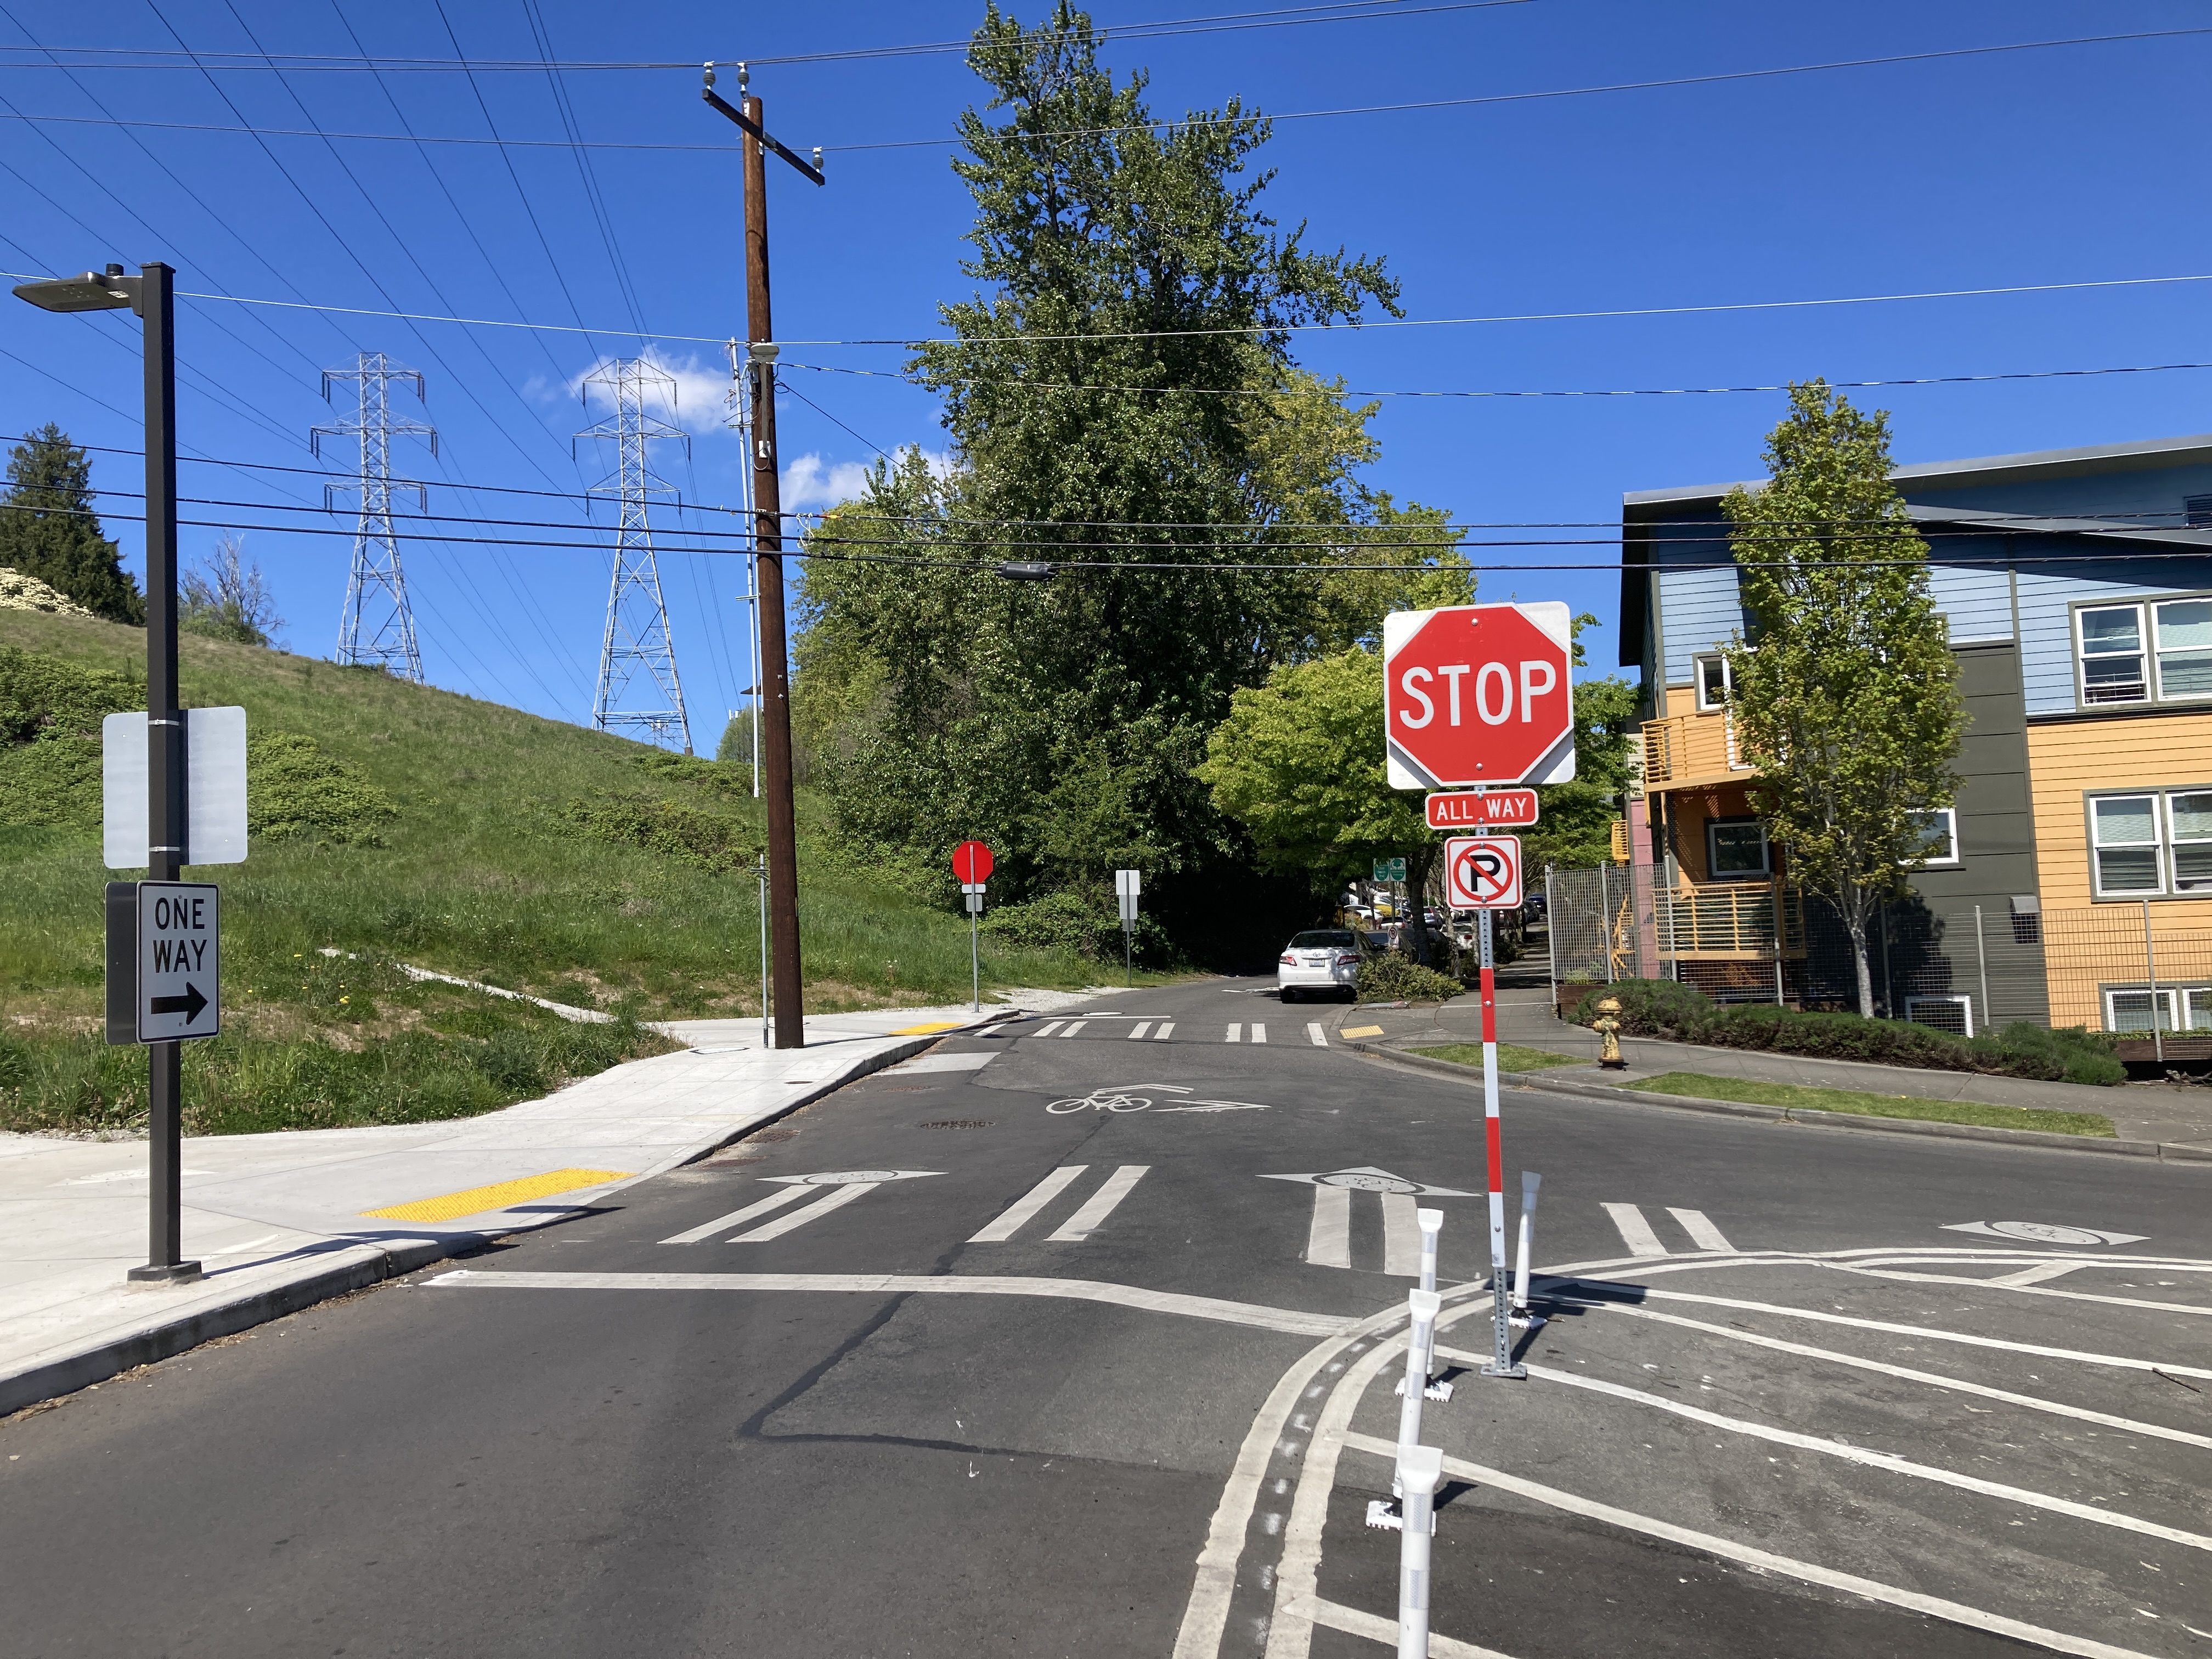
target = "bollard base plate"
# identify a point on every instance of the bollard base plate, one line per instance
(165, 1273)
(1437, 1391)
(1518, 1372)
(1527, 1322)
(1382, 1517)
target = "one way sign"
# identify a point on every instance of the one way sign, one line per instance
(180, 960)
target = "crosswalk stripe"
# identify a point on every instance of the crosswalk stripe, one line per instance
(1048, 1027)
(1140, 1029)
(1235, 1031)
(1634, 1231)
(1401, 1236)
(835, 1198)
(1259, 1032)
(1074, 1027)
(1085, 1221)
(774, 1200)
(1019, 1213)
(1328, 1241)
(1702, 1232)
(1314, 1034)
(1160, 1036)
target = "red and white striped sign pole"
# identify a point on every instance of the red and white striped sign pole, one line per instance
(1501, 1364)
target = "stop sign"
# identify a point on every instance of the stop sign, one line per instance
(971, 862)
(1477, 694)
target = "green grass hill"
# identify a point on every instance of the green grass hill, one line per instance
(397, 824)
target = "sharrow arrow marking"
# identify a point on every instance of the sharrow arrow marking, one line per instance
(1328, 1237)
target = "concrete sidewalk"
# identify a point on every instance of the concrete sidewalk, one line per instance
(281, 1221)
(2155, 1112)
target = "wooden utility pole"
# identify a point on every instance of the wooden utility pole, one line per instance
(775, 706)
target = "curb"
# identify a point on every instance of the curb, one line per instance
(2159, 1151)
(368, 1264)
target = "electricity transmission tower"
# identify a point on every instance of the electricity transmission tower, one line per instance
(637, 646)
(379, 625)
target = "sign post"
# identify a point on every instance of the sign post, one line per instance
(1127, 885)
(1480, 697)
(971, 864)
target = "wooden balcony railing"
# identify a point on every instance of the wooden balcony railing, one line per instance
(1732, 918)
(1682, 749)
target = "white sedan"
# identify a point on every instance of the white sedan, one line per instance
(1324, 960)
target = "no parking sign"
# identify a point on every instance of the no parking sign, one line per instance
(1483, 873)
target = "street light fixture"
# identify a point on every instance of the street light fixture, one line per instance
(152, 295)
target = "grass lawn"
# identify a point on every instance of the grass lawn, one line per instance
(495, 846)
(1511, 1056)
(1803, 1099)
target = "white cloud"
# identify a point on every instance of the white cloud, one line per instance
(810, 481)
(694, 396)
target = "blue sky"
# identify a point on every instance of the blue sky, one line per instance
(2076, 164)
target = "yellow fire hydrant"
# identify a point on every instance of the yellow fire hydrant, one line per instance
(1607, 1026)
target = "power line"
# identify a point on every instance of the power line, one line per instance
(1165, 126)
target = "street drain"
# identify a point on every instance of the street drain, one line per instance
(959, 1123)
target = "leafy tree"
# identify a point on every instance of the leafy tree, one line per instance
(1575, 828)
(1845, 695)
(227, 598)
(48, 528)
(1120, 394)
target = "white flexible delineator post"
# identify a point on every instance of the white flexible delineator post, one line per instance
(1420, 1469)
(1420, 1342)
(1529, 1182)
(1432, 1224)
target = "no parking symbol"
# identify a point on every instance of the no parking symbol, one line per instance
(1483, 873)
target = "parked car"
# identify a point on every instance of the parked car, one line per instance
(1321, 960)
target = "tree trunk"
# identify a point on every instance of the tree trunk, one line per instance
(1418, 862)
(1855, 920)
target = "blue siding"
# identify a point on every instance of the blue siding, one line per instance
(1977, 602)
(1699, 610)
(2152, 491)
(2048, 590)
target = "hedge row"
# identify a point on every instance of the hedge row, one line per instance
(1666, 1008)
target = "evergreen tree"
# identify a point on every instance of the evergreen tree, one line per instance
(1846, 696)
(48, 528)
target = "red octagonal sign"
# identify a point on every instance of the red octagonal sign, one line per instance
(1477, 694)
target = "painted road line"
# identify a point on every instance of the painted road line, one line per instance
(835, 1199)
(1334, 1616)
(1702, 1232)
(1728, 1549)
(1865, 1456)
(1092, 1216)
(1161, 1035)
(1235, 1031)
(477, 1200)
(774, 1200)
(1401, 1236)
(2023, 1289)
(1361, 1031)
(1328, 1241)
(1934, 1379)
(1314, 1034)
(1050, 1027)
(1634, 1231)
(1289, 1321)
(2038, 1272)
(1137, 1031)
(1074, 1026)
(1019, 1211)
(1961, 1337)
(1259, 1032)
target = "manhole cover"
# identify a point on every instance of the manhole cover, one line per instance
(959, 1123)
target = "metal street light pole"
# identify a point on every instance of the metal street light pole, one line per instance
(151, 295)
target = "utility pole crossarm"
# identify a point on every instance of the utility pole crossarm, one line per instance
(755, 128)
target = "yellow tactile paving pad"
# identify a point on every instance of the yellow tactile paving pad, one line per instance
(497, 1196)
(1361, 1031)
(927, 1031)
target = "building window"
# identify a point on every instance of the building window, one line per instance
(1713, 681)
(1940, 835)
(2180, 1008)
(1736, 849)
(2152, 843)
(2158, 651)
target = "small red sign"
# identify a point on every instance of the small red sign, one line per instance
(1483, 873)
(971, 861)
(1478, 809)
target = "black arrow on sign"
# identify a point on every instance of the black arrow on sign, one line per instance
(188, 1005)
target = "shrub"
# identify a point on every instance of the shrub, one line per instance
(1066, 921)
(1394, 978)
(705, 841)
(1666, 1008)
(293, 790)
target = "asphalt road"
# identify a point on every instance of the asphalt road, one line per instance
(1053, 1368)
